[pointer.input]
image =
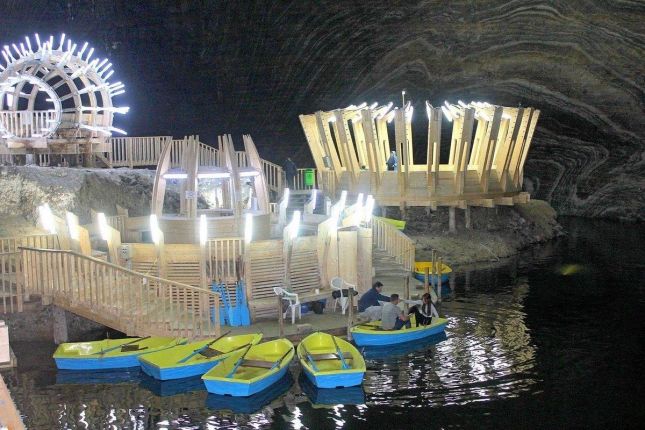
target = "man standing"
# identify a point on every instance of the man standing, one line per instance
(290, 171)
(392, 162)
(392, 317)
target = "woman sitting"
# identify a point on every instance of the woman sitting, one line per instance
(423, 313)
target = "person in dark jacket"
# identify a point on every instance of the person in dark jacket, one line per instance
(392, 162)
(290, 171)
(372, 297)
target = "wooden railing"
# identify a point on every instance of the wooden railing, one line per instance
(395, 243)
(26, 124)
(11, 288)
(131, 302)
(223, 258)
(145, 151)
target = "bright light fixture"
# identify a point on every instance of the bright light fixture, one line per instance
(343, 200)
(47, 218)
(155, 232)
(213, 175)
(446, 113)
(103, 226)
(368, 209)
(294, 225)
(72, 225)
(248, 228)
(203, 230)
(175, 175)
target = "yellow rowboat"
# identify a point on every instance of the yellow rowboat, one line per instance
(251, 370)
(331, 362)
(110, 353)
(399, 224)
(420, 267)
(194, 359)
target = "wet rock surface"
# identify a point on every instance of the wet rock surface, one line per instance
(496, 232)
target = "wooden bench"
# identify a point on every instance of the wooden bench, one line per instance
(330, 356)
(258, 363)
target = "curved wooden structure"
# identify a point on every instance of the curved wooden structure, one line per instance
(237, 189)
(55, 97)
(484, 167)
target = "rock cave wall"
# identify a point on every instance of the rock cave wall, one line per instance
(212, 67)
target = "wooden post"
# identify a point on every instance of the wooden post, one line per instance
(406, 293)
(426, 278)
(350, 314)
(467, 215)
(451, 220)
(434, 269)
(280, 318)
(439, 283)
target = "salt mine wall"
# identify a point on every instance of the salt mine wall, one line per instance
(211, 67)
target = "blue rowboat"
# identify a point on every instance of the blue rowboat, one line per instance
(250, 404)
(110, 353)
(194, 359)
(331, 362)
(250, 371)
(371, 334)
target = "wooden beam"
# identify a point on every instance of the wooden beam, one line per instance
(518, 177)
(324, 134)
(503, 201)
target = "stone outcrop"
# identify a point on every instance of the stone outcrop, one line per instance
(77, 190)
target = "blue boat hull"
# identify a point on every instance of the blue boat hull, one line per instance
(395, 337)
(336, 380)
(172, 388)
(432, 278)
(243, 389)
(332, 396)
(97, 363)
(250, 404)
(178, 372)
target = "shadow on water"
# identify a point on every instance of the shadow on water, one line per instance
(552, 338)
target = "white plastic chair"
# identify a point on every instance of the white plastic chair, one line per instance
(338, 284)
(294, 303)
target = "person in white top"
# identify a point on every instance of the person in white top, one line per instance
(424, 313)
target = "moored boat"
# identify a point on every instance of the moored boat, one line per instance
(110, 353)
(399, 224)
(371, 334)
(194, 359)
(420, 267)
(330, 362)
(251, 370)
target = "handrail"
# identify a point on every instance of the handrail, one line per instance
(394, 242)
(112, 295)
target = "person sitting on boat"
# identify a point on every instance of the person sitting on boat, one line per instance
(424, 312)
(392, 317)
(372, 297)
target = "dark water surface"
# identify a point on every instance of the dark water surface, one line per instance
(553, 338)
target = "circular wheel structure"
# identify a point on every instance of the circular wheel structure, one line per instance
(55, 95)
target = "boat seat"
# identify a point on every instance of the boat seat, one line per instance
(130, 348)
(330, 356)
(258, 363)
(210, 352)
